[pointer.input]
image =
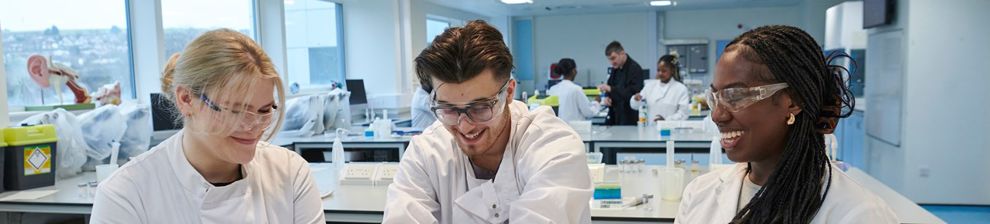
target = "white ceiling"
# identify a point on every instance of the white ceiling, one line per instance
(562, 7)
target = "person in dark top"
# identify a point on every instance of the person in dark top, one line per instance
(626, 80)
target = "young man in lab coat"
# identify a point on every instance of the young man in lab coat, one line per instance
(488, 159)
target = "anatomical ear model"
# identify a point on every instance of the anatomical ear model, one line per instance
(47, 74)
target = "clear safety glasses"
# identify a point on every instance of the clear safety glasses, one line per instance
(249, 119)
(480, 111)
(737, 99)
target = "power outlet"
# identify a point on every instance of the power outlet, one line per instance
(359, 172)
(387, 171)
(355, 173)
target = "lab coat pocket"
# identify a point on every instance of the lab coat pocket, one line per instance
(481, 204)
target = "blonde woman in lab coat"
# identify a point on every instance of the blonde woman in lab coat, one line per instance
(574, 105)
(666, 98)
(488, 159)
(217, 169)
(773, 97)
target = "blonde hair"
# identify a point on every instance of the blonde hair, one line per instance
(222, 64)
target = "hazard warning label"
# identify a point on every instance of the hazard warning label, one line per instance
(37, 160)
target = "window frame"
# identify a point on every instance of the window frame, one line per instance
(341, 54)
(19, 111)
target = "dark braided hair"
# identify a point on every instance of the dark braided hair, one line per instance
(674, 66)
(793, 193)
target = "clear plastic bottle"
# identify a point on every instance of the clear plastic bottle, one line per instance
(338, 151)
(643, 119)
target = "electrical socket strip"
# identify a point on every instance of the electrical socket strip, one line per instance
(369, 173)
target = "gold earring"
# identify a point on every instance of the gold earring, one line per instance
(790, 120)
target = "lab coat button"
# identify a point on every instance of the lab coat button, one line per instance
(493, 206)
(496, 215)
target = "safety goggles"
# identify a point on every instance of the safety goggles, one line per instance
(249, 119)
(480, 111)
(737, 99)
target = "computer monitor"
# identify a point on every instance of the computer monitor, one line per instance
(646, 74)
(163, 113)
(356, 87)
(162, 118)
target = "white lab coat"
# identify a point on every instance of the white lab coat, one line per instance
(422, 117)
(574, 105)
(160, 186)
(543, 177)
(670, 100)
(713, 198)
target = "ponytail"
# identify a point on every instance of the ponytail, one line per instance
(564, 67)
(168, 75)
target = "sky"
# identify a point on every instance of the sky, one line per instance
(34, 15)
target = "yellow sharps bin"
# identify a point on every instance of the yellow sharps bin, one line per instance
(30, 157)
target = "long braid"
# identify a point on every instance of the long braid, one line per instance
(793, 193)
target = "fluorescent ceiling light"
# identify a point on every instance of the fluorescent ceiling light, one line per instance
(662, 3)
(513, 2)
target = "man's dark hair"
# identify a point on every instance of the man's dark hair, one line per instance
(615, 46)
(461, 53)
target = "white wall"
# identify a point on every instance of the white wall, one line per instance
(579, 36)
(721, 24)
(372, 49)
(584, 37)
(382, 38)
(420, 9)
(813, 17)
(945, 105)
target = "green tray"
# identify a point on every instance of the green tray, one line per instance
(81, 106)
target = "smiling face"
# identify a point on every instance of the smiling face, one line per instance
(231, 130)
(477, 138)
(757, 132)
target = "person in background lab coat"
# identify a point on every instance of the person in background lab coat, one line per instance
(488, 159)
(666, 98)
(773, 97)
(216, 169)
(574, 105)
(422, 117)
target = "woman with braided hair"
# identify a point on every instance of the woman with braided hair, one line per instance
(666, 98)
(774, 95)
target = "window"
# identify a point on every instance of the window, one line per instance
(68, 32)
(184, 20)
(314, 46)
(435, 27)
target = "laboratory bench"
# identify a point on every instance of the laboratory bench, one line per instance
(610, 140)
(355, 203)
(364, 203)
